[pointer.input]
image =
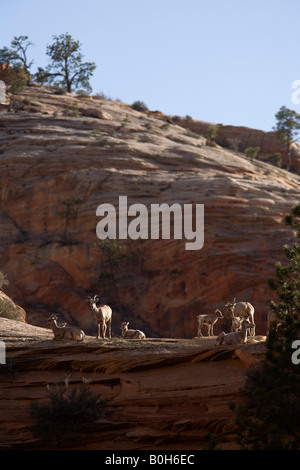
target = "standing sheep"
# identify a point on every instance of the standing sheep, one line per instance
(103, 315)
(240, 309)
(209, 320)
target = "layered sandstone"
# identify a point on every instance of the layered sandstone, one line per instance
(162, 393)
(239, 138)
(63, 155)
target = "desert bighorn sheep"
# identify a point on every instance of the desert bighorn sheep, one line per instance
(235, 337)
(103, 315)
(240, 309)
(65, 332)
(236, 323)
(209, 320)
(131, 334)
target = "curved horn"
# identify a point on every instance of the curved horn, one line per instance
(53, 316)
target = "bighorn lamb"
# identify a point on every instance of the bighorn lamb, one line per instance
(103, 315)
(235, 337)
(236, 323)
(131, 334)
(209, 320)
(240, 309)
(65, 332)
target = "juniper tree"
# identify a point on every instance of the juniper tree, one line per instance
(17, 74)
(270, 416)
(287, 129)
(67, 68)
(16, 56)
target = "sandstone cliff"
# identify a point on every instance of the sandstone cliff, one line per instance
(63, 155)
(239, 138)
(163, 393)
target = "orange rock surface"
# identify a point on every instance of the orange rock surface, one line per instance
(63, 155)
(163, 393)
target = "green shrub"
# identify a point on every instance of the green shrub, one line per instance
(9, 310)
(139, 106)
(64, 413)
(72, 110)
(211, 134)
(59, 90)
(275, 159)
(252, 152)
(165, 126)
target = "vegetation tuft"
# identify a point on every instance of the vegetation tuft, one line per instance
(65, 412)
(139, 106)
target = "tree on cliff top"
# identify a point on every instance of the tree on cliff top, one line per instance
(66, 68)
(17, 72)
(287, 129)
(16, 56)
(270, 417)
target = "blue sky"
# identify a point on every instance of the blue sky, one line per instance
(223, 61)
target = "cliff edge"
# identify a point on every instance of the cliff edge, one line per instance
(162, 393)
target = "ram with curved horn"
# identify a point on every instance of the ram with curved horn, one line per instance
(103, 314)
(240, 309)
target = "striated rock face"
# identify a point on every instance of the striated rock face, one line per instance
(163, 393)
(62, 156)
(239, 138)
